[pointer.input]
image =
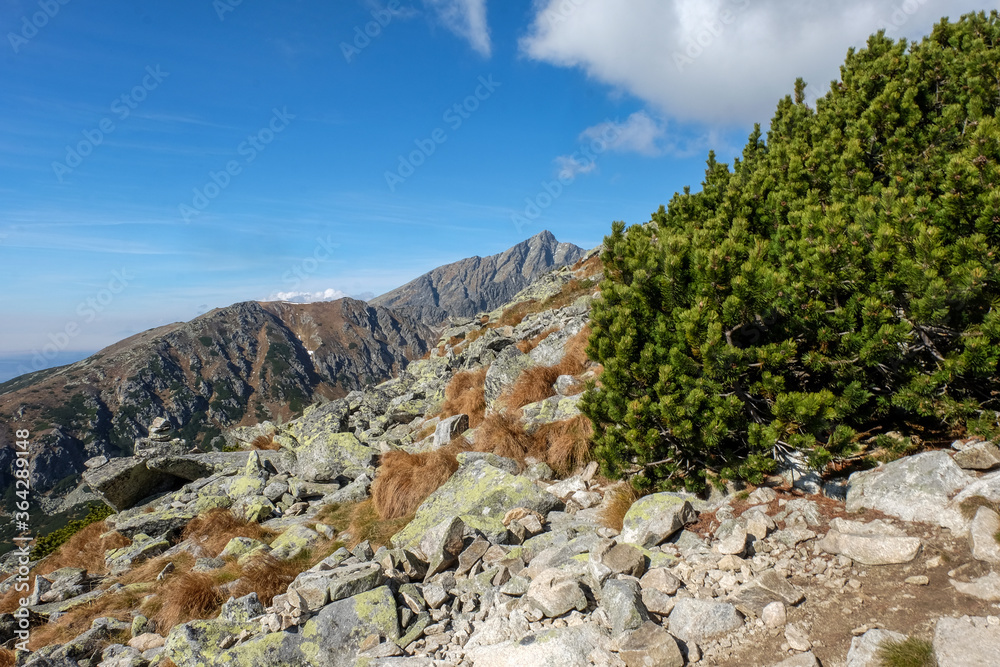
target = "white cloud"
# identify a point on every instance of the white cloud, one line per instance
(571, 166)
(640, 133)
(465, 18)
(719, 61)
(308, 297)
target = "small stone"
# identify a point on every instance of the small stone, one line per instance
(774, 615)
(650, 645)
(918, 580)
(797, 638)
(979, 456)
(801, 660)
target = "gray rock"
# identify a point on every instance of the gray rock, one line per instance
(143, 547)
(554, 593)
(732, 538)
(503, 372)
(650, 645)
(980, 456)
(654, 518)
(349, 580)
(774, 615)
(441, 545)
(982, 535)
(242, 610)
(331, 638)
(117, 655)
(864, 649)
(293, 541)
(123, 482)
(985, 588)
(660, 579)
(328, 456)
(435, 595)
(765, 588)
(562, 647)
(800, 660)
(797, 637)
(915, 488)
(966, 642)
(694, 620)
(873, 543)
(449, 428)
(480, 494)
(624, 559)
(96, 462)
(621, 600)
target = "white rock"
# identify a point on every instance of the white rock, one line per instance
(774, 615)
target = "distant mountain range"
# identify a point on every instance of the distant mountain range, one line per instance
(247, 363)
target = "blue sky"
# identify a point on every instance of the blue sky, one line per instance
(158, 160)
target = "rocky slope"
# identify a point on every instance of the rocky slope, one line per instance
(505, 564)
(235, 365)
(479, 284)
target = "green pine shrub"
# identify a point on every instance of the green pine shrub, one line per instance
(840, 278)
(46, 544)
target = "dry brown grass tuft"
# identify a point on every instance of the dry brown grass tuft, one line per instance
(405, 480)
(85, 549)
(536, 383)
(7, 658)
(617, 504)
(215, 528)
(589, 267)
(150, 569)
(502, 433)
(268, 576)
(465, 395)
(575, 361)
(532, 385)
(566, 443)
(265, 443)
(516, 313)
(367, 525)
(527, 346)
(187, 597)
(76, 621)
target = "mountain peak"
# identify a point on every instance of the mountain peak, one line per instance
(479, 284)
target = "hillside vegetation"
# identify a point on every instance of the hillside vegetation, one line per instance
(840, 279)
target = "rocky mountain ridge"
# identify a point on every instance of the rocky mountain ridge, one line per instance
(479, 284)
(507, 563)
